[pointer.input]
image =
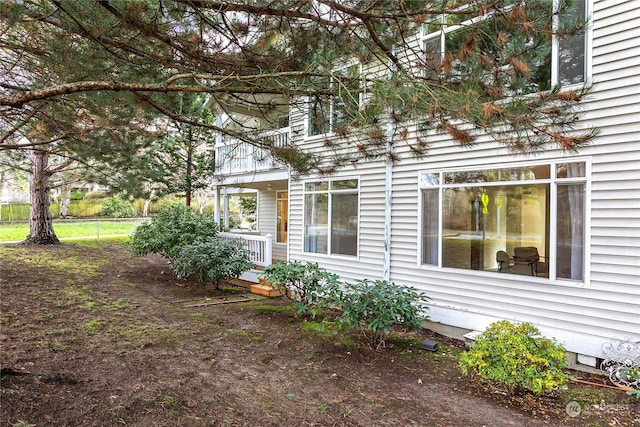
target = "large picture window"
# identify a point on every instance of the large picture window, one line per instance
(522, 220)
(331, 217)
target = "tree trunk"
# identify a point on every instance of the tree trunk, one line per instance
(189, 168)
(40, 221)
(147, 202)
(65, 201)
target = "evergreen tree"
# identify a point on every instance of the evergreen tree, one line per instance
(90, 78)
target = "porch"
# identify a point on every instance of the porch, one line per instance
(235, 157)
(262, 254)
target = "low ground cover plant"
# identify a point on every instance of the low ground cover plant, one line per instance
(371, 307)
(517, 357)
(374, 307)
(310, 286)
(189, 241)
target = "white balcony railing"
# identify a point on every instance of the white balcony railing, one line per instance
(235, 157)
(259, 247)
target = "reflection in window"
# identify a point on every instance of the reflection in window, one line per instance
(331, 217)
(466, 222)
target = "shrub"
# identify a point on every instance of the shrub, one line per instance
(169, 202)
(308, 284)
(375, 306)
(517, 357)
(188, 239)
(170, 229)
(118, 207)
(213, 258)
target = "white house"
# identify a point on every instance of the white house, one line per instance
(451, 223)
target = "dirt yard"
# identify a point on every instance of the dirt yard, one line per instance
(92, 336)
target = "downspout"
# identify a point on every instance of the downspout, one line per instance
(217, 162)
(388, 200)
(388, 193)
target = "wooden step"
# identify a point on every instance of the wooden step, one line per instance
(241, 282)
(266, 290)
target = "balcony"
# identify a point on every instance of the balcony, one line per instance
(239, 157)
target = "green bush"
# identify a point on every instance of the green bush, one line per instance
(168, 202)
(118, 207)
(76, 196)
(307, 284)
(375, 307)
(517, 357)
(171, 228)
(212, 257)
(188, 240)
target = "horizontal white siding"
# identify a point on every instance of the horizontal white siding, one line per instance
(582, 316)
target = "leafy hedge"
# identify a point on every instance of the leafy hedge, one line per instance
(517, 357)
(189, 241)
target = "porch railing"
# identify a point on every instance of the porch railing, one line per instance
(259, 247)
(240, 157)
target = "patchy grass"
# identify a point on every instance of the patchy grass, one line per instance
(242, 333)
(15, 232)
(140, 359)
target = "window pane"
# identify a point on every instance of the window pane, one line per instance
(496, 175)
(571, 170)
(429, 179)
(480, 221)
(432, 56)
(347, 101)
(571, 67)
(570, 232)
(344, 224)
(319, 113)
(316, 186)
(433, 24)
(344, 185)
(430, 207)
(316, 217)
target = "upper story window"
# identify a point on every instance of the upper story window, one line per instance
(561, 62)
(528, 220)
(331, 217)
(330, 114)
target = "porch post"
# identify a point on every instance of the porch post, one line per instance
(226, 207)
(216, 205)
(268, 256)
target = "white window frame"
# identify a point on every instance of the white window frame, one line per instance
(553, 182)
(308, 103)
(329, 192)
(445, 29)
(588, 43)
